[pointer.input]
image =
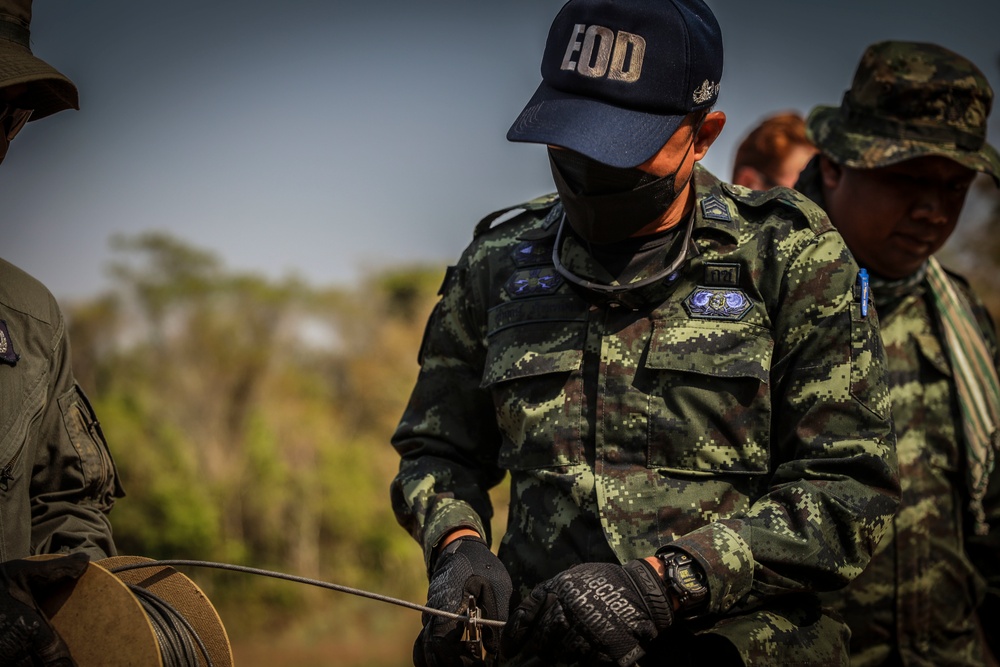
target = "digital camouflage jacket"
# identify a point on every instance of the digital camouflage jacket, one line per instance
(931, 595)
(57, 478)
(737, 409)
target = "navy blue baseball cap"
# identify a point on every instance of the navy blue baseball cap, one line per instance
(619, 76)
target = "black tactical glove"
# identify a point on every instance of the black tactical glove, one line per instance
(26, 636)
(465, 567)
(593, 614)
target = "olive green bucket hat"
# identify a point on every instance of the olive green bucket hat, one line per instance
(48, 90)
(909, 100)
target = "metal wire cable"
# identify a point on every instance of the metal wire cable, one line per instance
(311, 582)
(175, 636)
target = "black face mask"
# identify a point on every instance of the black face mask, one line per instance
(606, 204)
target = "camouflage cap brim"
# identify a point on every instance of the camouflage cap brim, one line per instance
(825, 128)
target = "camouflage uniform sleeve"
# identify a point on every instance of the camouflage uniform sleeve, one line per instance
(833, 487)
(74, 482)
(984, 553)
(447, 437)
(984, 550)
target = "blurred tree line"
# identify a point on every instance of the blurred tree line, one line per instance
(977, 251)
(250, 423)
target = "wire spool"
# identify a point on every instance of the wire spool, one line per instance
(148, 617)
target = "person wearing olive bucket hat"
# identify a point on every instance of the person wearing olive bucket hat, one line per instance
(57, 478)
(32, 89)
(897, 159)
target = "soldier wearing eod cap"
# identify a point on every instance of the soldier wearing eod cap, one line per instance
(677, 375)
(897, 159)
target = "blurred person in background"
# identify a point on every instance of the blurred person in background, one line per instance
(773, 153)
(57, 479)
(897, 159)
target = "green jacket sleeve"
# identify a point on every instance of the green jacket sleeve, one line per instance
(74, 482)
(447, 438)
(57, 479)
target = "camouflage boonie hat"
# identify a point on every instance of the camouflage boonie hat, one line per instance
(908, 100)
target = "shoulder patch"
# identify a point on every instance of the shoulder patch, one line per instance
(533, 282)
(537, 204)
(532, 253)
(7, 353)
(713, 208)
(717, 303)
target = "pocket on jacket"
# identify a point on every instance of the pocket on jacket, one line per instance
(97, 468)
(710, 409)
(533, 373)
(869, 375)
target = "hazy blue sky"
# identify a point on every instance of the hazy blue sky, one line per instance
(326, 138)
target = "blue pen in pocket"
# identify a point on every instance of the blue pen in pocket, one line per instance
(863, 281)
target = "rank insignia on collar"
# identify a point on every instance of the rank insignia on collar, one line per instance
(714, 208)
(709, 303)
(7, 353)
(533, 282)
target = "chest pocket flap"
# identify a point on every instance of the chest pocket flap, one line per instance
(532, 370)
(532, 338)
(715, 348)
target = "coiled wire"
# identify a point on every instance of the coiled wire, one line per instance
(179, 642)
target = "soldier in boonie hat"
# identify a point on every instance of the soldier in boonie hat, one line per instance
(898, 157)
(57, 478)
(915, 112)
(909, 99)
(30, 88)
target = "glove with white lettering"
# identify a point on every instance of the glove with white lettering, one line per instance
(26, 636)
(465, 568)
(595, 613)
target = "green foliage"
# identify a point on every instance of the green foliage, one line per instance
(250, 422)
(164, 515)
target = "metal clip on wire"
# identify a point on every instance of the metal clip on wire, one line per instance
(472, 637)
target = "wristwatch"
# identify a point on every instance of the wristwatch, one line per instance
(685, 582)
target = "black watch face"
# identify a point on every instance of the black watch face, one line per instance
(689, 580)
